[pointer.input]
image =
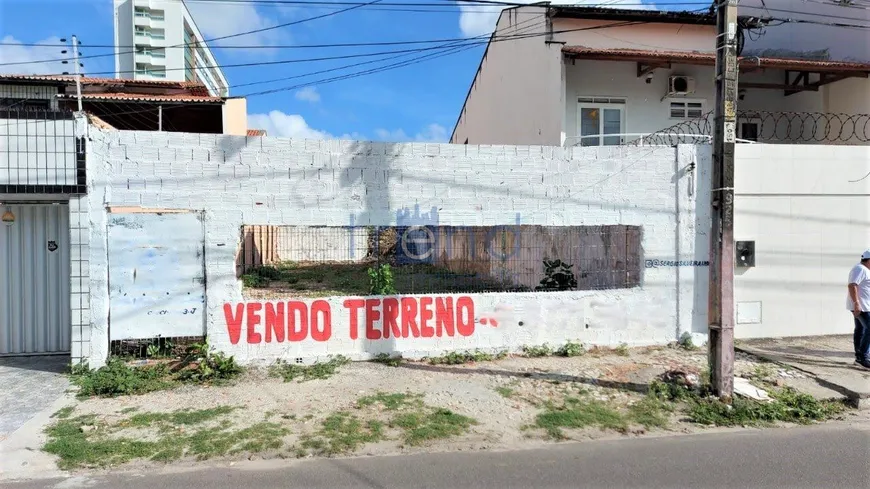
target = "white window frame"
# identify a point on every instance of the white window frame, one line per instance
(686, 102)
(143, 13)
(601, 102)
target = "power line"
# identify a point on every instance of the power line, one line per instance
(474, 41)
(447, 44)
(446, 50)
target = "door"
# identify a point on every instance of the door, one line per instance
(156, 275)
(599, 119)
(35, 279)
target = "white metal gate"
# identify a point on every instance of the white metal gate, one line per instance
(35, 279)
(156, 275)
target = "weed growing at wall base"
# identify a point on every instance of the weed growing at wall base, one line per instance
(462, 357)
(118, 378)
(319, 370)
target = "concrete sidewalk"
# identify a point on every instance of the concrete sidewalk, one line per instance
(830, 359)
(34, 388)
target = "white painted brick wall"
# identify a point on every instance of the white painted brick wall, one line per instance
(316, 183)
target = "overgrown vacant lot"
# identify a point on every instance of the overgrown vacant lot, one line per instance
(319, 279)
(461, 401)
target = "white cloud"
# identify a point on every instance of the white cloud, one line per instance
(279, 124)
(16, 53)
(478, 20)
(308, 94)
(433, 133)
(216, 19)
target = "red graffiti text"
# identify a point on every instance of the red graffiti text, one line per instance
(373, 319)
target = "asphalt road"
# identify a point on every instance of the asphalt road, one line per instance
(817, 457)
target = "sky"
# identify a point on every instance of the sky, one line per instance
(418, 102)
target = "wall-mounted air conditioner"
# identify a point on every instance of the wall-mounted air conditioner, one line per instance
(681, 85)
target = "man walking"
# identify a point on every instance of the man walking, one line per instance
(858, 301)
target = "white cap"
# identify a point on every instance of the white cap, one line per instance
(865, 255)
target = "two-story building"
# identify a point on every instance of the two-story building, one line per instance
(588, 76)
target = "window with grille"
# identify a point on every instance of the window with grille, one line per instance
(686, 109)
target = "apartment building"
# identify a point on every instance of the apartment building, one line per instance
(158, 40)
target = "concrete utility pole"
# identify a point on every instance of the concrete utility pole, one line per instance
(75, 48)
(721, 306)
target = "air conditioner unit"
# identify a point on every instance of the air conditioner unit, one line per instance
(681, 85)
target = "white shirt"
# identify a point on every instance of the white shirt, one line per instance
(860, 276)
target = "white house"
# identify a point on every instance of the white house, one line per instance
(572, 75)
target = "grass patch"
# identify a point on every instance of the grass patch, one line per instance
(650, 413)
(788, 406)
(180, 417)
(505, 391)
(386, 359)
(390, 402)
(85, 442)
(537, 351)
(421, 427)
(63, 413)
(342, 433)
(579, 413)
(319, 370)
(463, 357)
(117, 378)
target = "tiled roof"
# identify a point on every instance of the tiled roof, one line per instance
(87, 80)
(646, 15)
(142, 97)
(256, 132)
(709, 58)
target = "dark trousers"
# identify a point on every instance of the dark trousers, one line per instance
(862, 336)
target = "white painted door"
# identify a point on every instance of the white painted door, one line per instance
(156, 275)
(35, 280)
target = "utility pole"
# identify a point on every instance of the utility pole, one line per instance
(720, 311)
(75, 47)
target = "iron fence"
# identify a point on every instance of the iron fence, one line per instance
(770, 127)
(40, 153)
(340, 261)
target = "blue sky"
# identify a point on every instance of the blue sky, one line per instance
(417, 102)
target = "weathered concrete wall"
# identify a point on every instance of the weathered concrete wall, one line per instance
(240, 181)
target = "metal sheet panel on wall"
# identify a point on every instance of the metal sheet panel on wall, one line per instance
(35, 279)
(156, 275)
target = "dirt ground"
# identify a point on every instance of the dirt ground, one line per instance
(501, 398)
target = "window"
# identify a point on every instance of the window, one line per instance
(748, 130)
(142, 12)
(598, 117)
(686, 109)
(158, 34)
(141, 31)
(157, 15)
(158, 52)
